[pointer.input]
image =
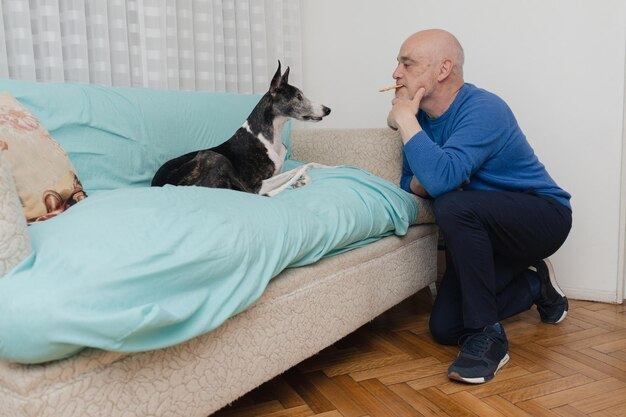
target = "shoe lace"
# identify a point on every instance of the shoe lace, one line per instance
(477, 343)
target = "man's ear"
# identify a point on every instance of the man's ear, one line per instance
(276, 80)
(445, 69)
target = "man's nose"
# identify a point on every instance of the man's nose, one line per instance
(397, 73)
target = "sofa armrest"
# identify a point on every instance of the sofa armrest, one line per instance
(377, 150)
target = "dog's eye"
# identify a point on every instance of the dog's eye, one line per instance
(299, 96)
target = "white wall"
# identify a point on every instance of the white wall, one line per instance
(559, 64)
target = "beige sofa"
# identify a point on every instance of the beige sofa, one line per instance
(302, 311)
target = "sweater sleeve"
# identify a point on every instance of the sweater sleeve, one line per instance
(478, 130)
(407, 175)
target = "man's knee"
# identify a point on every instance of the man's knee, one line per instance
(450, 209)
(442, 332)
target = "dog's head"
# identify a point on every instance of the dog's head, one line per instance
(289, 101)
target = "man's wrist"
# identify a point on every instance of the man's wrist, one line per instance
(408, 129)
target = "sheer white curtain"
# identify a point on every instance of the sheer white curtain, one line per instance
(207, 45)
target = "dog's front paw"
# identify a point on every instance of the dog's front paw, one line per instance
(302, 180)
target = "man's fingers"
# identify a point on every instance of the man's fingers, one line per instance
(419, 95)
(391, 123)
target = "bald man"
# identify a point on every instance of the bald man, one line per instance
(500, 212)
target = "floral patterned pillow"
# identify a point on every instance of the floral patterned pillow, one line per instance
(45, 178)
(14, 240)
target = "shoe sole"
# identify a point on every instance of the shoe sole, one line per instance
(479, 380)
(555, 285)
(559, 320)
(552, 276)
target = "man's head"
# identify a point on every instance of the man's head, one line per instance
(432, 59)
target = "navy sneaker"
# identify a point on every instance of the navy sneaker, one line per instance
(552, 303)
(482, 355)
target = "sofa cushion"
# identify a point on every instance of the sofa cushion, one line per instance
(44, 176)
(118, 137)
(14, 240)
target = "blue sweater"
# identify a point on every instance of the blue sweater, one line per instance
(477, 140)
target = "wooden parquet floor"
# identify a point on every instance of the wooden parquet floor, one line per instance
(392, 367)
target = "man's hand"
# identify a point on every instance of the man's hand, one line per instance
(418, 188)
(391, 122)
(402, 115)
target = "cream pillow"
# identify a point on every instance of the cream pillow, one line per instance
(45, 179)
(14, 241)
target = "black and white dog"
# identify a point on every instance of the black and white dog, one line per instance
(254, 153)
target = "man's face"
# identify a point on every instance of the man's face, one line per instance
(414, 70)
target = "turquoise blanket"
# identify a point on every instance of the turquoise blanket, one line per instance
(137, 269)
(134, 268)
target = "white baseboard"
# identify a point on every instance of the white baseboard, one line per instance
(577, 294)
(593, 295)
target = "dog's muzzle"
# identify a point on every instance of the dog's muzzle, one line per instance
(325, 112)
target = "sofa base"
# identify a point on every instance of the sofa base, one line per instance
(303, 311)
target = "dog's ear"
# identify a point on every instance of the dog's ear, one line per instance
(285, 78)
(276, 80)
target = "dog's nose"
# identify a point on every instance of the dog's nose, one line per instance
(326, 110)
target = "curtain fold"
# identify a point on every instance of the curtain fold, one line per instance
(204, 45)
